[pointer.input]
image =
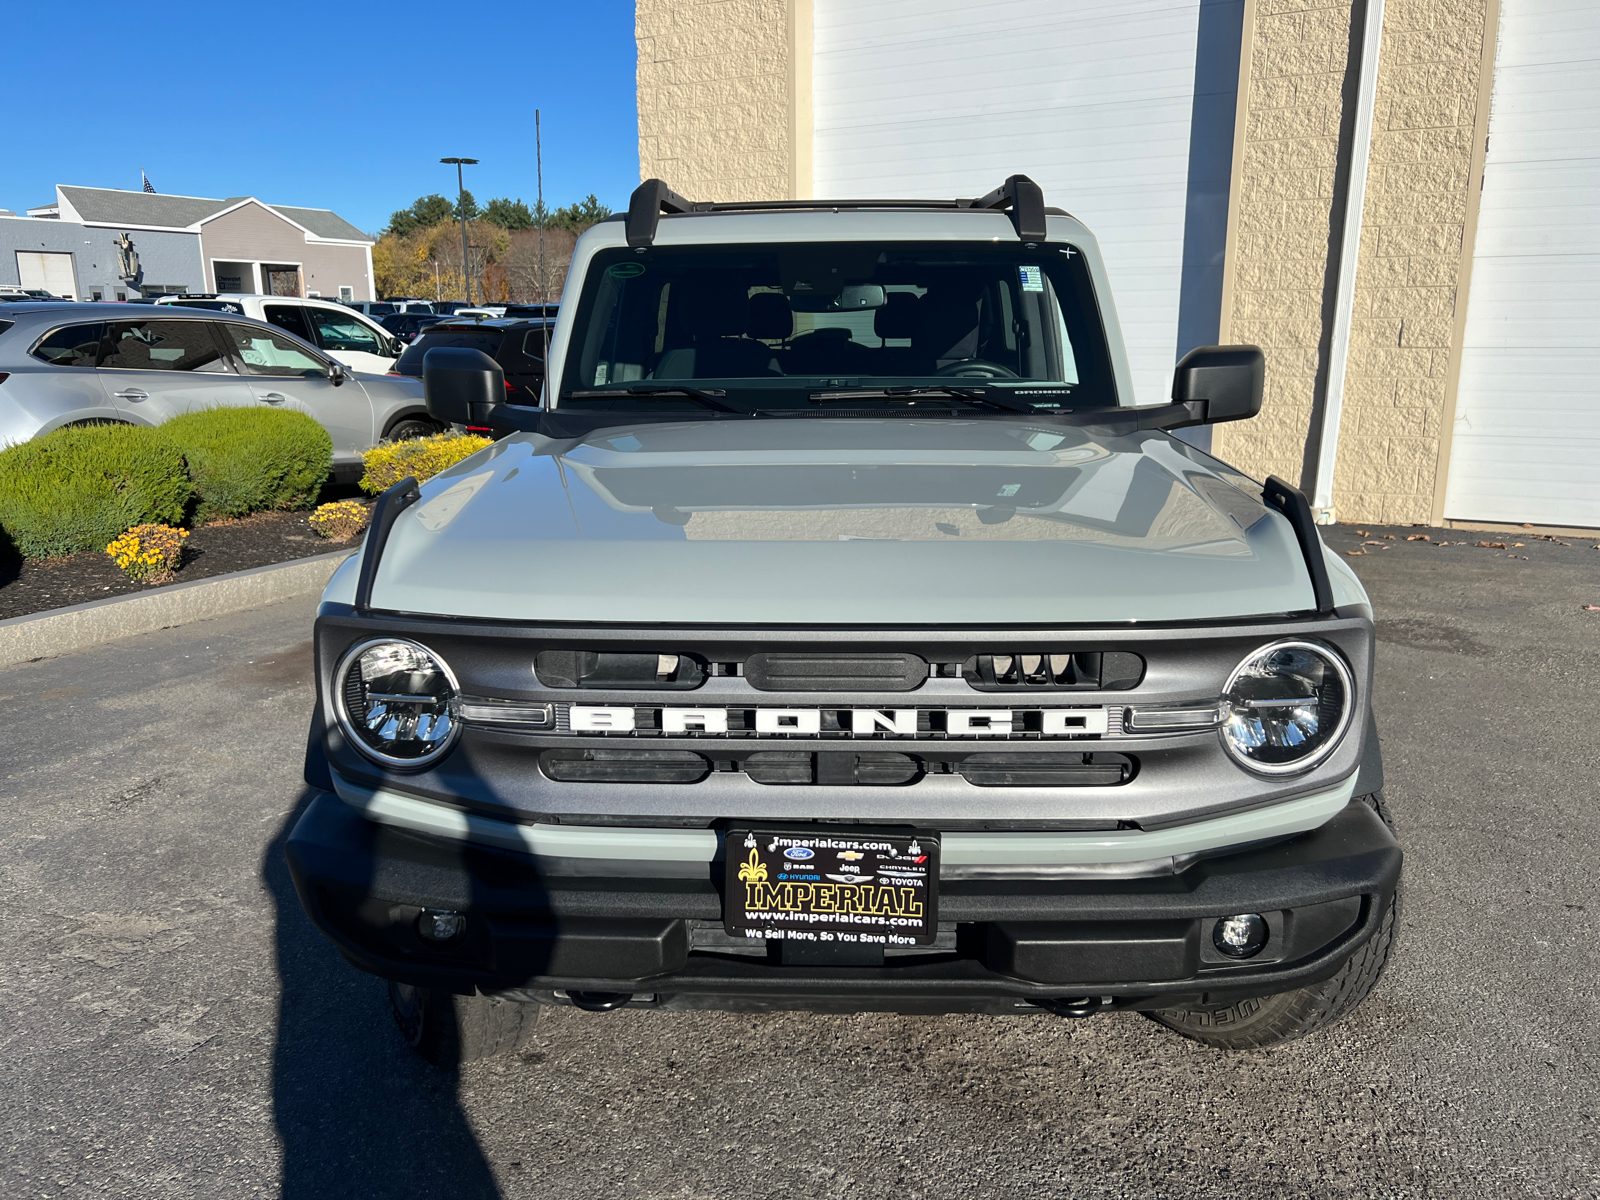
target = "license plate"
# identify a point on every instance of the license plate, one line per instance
(859, 889)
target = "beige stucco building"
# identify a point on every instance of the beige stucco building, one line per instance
(1306, 175)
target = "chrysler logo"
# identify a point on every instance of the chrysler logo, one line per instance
(859, 722)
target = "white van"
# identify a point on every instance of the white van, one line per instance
(352, 338)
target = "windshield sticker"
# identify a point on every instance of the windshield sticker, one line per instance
(625, 270)
(1032, 278)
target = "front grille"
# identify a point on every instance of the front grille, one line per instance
(794, 768)
(624, 766)
(1047, 770)
(1084, 671)
(835, 672)
(603, 669)
(838, 769)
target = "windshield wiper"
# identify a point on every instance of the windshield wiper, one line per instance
(914, 391)
(710, 397)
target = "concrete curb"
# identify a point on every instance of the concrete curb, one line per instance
(63, 630)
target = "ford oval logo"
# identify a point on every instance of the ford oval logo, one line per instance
(799, 853)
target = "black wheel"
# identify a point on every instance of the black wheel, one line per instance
(412, 428)
(449, 1030)
(1268, 1020)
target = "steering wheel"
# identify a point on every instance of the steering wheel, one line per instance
(975, 368)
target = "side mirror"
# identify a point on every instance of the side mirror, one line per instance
(337, 374)
(460, 386)
(1220, 383)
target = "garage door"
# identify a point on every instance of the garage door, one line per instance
(52, 272)
(1123, 112)
(1527, 435)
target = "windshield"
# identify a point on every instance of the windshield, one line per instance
(786, 326)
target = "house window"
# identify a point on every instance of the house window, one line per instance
(347, 294)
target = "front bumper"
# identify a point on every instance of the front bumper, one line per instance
(1005, 944)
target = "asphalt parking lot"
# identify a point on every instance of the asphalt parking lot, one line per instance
(173, 1027)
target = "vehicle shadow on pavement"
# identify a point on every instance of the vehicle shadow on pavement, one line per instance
(358, 1114)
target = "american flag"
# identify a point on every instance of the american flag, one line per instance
(148, 186)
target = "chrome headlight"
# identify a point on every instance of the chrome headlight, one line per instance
(1286, 707)
(396, 702)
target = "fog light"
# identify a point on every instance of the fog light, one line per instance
(1242, 936)
(439, 925)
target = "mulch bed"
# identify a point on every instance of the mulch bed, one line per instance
(35, 585)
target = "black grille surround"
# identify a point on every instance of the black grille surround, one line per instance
(932, 778)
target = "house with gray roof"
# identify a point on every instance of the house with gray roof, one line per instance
(79, 247)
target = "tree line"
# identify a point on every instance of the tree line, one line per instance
(419, 253)
(427, 211)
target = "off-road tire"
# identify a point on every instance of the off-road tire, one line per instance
(411, 428)
(1268, 1020)
(449, 1030)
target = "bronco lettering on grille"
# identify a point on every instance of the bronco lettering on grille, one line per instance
(855, 722)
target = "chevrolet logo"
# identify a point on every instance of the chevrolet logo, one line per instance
(858, 722)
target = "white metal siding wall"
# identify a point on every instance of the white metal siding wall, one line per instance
(1527, 434)
(942, 98)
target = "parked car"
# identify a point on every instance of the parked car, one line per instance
(542, 311)
(74, 364)
(448, 308)
(518, 346)
(411, 304)
(405, 326)
(841, 637)
(355, 339)
(371, 308)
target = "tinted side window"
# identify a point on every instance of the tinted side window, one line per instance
(534, 342)
(342, 332)
(162, 346)
(290, 317)
(264, 352)
(74, 346)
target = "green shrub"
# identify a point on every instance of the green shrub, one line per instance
(79, 488)
(246, 460)
(390, 462)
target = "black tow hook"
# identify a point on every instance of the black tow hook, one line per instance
(599, 1001)
(1074, 1008)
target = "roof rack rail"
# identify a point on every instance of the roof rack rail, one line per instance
(649, 200)
(1021, 195)
(1025, 199)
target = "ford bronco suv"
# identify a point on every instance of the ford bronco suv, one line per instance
(839, 635)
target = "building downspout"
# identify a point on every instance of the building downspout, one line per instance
(1321, 486)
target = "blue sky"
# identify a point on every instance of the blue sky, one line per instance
(350, 108)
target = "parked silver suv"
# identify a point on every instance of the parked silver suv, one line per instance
(67, 364)
(840, 635)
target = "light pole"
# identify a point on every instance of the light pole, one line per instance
(461, 206)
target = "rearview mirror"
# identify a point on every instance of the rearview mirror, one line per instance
(460, 386)
(337, 374)
(1220, 383)
(852, 297)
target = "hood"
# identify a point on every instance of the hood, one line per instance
(853, 521)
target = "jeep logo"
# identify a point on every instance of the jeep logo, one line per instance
(858, 722)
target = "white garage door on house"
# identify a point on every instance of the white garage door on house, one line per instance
(48, 270)
(1121, 111)
(1526, 443)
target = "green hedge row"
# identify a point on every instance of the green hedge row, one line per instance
(78, 488)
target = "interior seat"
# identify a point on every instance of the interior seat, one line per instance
(717, 319)
(897, 320)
